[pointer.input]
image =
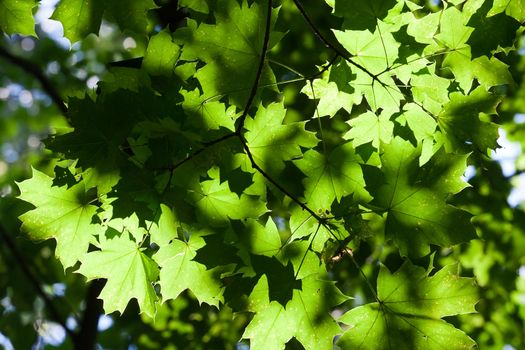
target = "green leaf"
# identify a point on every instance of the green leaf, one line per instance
(376, 51)
(431, 91)
(259, 239)
(364, 14)
(197, 5)
(460, 120)
(304, 259)
(130, 14)
(61, 213)
(305, 316)
(161, 55)
(16, 17)
(408, 313)
(513, 8)
(216, 203)
(488, 72)
(423, 126)
(491, 72)
(167, 228)
(424, 29)
(231, 49)
(271, 143)
(211, 115)
(453, 35)
(303, 224)
(467, 46)
(453, 31)
(331, 98)
(368, 127)
(492, 33)
(414, 198)
(332, 176)
(79, 17)
(102, 127)
(129, 272)
(178, 272)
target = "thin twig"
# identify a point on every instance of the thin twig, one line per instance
(327, 43)
(275, 183)
(200, 150)
(34, 70)
(255, 85)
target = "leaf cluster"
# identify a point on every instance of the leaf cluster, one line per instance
(191, 173)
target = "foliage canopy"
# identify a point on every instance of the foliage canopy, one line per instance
(215, 166)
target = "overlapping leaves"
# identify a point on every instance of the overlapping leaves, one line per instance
(409, 310)
(175, 191)
(414, 198)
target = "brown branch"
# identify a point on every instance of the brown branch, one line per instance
(33, 69)
(20, 261)
(86, 338)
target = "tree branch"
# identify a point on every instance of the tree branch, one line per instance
(86, 338)
(242, 119)
(34, 70)
(53, 312)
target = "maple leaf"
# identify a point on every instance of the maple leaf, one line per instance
(249, 212)
(216, 203)
(332, 176)
(423, 126)
(271, 143)
(331, 97)
(62, 213)
(303, 224)
(415, 198)
(259, 239)
(368, 127)
(304, 317)
(430, 90)
(462, 120)
(180, 272)
(409, 310)
(79, 18)
(129, 272)
(130, 15)
(161, 55)
(17, 17)
(365, 14)
(376, 51)
(513, 8)
(211, 115)
(231, 49)
(100, 127)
